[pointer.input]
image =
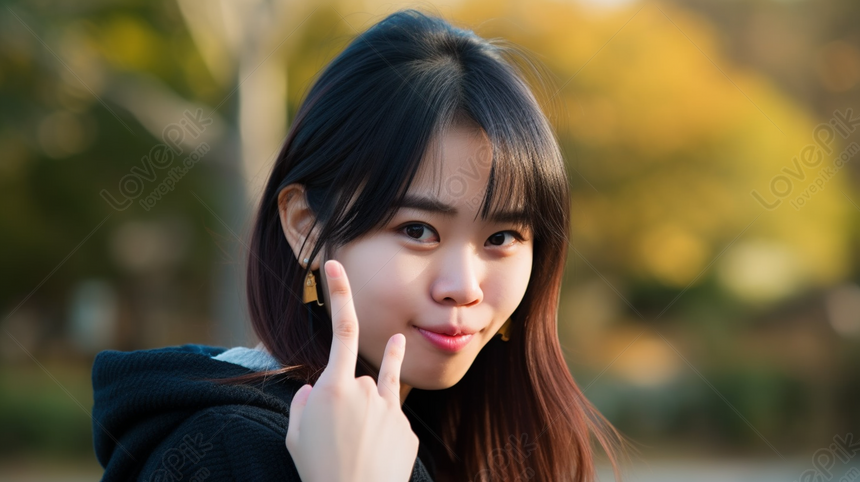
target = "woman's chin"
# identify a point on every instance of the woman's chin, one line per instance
(425, 382)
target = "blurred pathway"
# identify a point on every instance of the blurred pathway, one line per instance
(727, 471)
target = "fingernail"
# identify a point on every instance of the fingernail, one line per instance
(332, 269)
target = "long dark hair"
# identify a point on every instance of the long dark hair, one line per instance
(356, 144)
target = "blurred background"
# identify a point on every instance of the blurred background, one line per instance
(711, 306)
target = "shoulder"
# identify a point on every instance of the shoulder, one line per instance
(230, 442)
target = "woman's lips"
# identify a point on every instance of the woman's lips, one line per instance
(451, 344)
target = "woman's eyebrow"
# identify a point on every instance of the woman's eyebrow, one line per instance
(428, 204)
(436, 206)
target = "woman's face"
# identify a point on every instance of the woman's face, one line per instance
(438, 267)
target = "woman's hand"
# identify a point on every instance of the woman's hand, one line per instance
(346, 428)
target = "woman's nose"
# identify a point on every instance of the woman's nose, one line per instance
(458, 281)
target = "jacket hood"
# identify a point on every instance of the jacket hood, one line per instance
(140, 397)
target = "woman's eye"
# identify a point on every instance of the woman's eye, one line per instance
(498, 239)
(425, 234)
(418, 231)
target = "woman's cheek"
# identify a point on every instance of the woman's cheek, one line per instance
(380, 313)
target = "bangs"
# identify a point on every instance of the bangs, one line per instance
(526, 175)
(508, 195)
(527, 184)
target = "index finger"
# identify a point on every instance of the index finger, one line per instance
(344, 324)
(389, 370)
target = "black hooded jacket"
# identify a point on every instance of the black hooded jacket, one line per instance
(156, 418)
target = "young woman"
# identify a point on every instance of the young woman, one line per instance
(404, 277)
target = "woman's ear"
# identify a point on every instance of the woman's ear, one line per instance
(296, 221)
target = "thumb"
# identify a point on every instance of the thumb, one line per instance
(297, 406)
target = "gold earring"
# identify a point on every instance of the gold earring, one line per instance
(310, 287)
(505, 330)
